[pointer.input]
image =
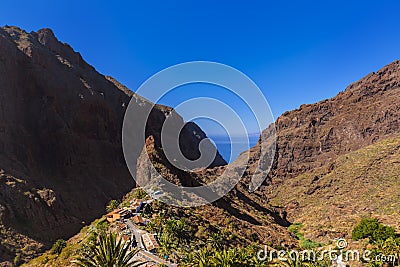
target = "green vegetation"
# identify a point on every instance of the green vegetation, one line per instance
(303, 242)
(112, 205)
(240, 257)
(234, 257)
(136, 193)
(108, 251)
(383, 243)
(372, 229)
(139, 193)
(390, 248)
(181, 231)
(58, 246)
(74, 246)
(295, 228)
(294, 263)
(174, 236)
(17, 260)
(187, 238)
(355, 184)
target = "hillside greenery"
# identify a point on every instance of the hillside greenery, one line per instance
(369, 176)
(374, 230)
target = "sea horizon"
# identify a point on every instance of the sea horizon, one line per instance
(235, 144)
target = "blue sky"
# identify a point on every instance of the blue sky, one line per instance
(296, 51)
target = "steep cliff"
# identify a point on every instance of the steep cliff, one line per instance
(311, 180)
(61, 158)
(367, 111)
(333, 161)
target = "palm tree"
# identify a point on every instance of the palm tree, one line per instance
(200, 258)
(244, 257)
(177, 231)
(225, 258)
(166, 246)
(109, 252)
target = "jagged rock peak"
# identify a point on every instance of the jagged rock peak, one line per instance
(45, 41)
(46, 36)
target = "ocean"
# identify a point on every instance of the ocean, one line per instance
(234, 146)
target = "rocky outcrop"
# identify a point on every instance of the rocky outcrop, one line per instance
(313, 139)
(61, 159)
(60, 138)
(308, 139)
(315, 134)
(252, 216)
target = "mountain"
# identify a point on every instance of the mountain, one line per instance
(331, 158)
(61, 158)
(367, 111)
(335, 160)
(329, 201)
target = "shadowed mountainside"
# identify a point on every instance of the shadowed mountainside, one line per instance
(61, 159)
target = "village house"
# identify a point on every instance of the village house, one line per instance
(113, 216)
(125, 213)
(138, 220)
(150, 242)
(135, 203)
(117, 214)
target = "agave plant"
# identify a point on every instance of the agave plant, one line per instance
(215, 241)
(108, 252)
(225, 258)
(200, 258)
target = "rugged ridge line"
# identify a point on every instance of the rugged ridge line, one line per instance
(315, 134)
(61, 159)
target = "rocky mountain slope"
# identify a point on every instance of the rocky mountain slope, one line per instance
(325, 203)
(330, 158)
(61, 159)
(60, 135)
(331, 199)
(251, 214)
(367, 111)
(323, 159)
(324, 172)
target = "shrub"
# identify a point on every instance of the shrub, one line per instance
(140, 193)
(58, 246)
(102, 226)
(372, 229)
(295, 228)
(309, 244)
(112, 205)
(304, 242)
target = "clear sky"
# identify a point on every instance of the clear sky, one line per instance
(296, 51)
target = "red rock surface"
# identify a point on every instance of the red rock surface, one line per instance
(60, 139)
(315, 134)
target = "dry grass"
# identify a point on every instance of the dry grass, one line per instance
(333, 198)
